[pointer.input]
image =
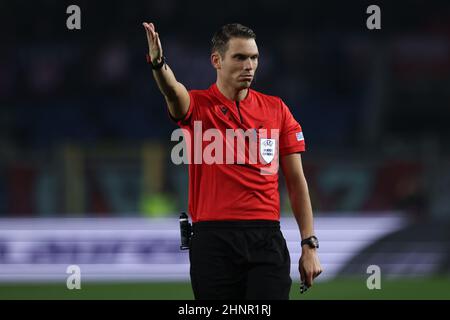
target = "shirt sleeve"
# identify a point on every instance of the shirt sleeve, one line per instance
(291, 135)
(188, 117)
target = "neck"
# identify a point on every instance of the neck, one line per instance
(230, 92)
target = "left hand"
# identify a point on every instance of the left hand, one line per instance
(309, 265)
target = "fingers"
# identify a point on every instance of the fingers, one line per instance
(150, 28)
(158, 45)
(309, 270)
(317, 273)
(152, 36)
(302, 274)
(310, 276)
(303, 286)
(148, 32)
(309, 279)
(149, 36)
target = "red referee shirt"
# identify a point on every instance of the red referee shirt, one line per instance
(238, 191)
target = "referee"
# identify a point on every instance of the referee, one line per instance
(237, 250)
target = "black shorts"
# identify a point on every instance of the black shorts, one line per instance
(239, 260)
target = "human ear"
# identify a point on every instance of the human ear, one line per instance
(216, 61)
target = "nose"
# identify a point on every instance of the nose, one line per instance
(249, 64)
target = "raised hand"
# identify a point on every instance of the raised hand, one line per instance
(154, 44)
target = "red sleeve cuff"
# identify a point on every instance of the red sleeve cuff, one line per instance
(184, 120)
(293, 149)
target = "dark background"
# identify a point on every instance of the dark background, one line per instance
(84, 129)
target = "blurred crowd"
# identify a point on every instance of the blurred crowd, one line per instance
(374, 105)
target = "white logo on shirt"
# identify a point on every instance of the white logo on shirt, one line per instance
(267, 149)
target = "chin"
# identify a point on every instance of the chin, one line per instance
(244, 85)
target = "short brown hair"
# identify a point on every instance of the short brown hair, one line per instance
(220, 39)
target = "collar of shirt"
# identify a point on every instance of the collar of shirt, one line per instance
(228, 102)
(232, 106)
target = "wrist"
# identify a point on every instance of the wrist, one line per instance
(307, 249)
(157, 63)
(311, 242)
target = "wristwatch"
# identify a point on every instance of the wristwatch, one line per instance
(312, 242)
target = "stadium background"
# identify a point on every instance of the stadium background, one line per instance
(84, 135)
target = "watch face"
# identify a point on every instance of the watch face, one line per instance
(314, 243)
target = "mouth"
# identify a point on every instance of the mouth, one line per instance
(246, 77)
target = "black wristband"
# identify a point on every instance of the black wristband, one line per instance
(158, 65)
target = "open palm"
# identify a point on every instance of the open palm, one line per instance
(154, 44)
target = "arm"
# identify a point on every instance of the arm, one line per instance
(175, 93)
(309, 265)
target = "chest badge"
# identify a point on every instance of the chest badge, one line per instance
(224, 110)
(267, 149)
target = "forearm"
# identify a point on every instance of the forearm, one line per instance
(166, 81)
(176, 95)
(174, 92)
(301, 206)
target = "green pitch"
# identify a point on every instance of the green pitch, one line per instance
(430, 288)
